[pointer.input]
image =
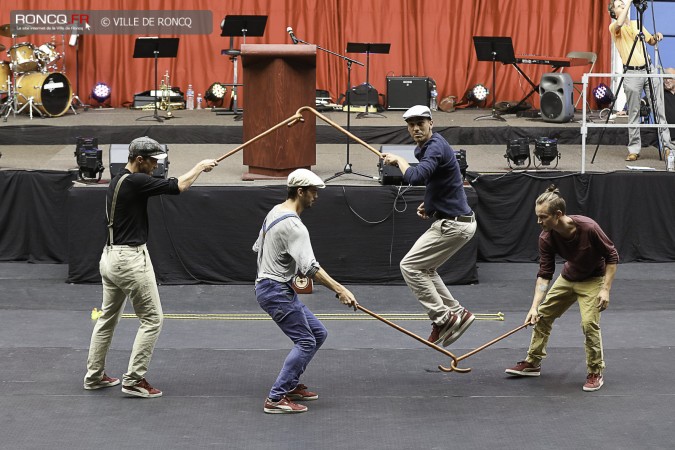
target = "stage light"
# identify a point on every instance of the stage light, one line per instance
(603, 95)
(215, 93)
(461, 159)
(89, 158)
(100, 92)
(517, 151)
(478, 93)
(546, 150)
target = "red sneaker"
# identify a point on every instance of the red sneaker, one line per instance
(524, 369)
(283, 406)
(440, 332)
(301, 393)
(142, 389)
(105, 382)
(456, 332)
(594, 382)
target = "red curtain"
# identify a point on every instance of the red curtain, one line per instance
(428, 38)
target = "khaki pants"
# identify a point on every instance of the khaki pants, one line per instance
(633, 87)
(127, 272)
(442, 240)
(560, 297)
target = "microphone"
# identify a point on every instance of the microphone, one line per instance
(289, 30)
(73, 40)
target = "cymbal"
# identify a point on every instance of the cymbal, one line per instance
(7, 32)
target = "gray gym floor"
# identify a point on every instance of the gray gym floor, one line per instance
(379, 389)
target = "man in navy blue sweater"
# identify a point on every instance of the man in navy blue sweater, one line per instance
(453, 225)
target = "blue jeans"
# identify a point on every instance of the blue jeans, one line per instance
(280, 301)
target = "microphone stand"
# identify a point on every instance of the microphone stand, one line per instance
(348, 166)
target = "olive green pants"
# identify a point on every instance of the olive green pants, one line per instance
(559, 298)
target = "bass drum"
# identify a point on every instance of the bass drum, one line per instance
(4, 74)
(51, 92)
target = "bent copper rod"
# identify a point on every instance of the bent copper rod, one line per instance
(290, 122)
(414, 336)
(338, 127)
(297, 117)
(453, 363)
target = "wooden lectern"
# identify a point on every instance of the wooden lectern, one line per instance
(280, 78)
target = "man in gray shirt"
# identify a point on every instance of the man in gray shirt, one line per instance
(284, 248)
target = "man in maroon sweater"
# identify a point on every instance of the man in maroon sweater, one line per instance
(586, 278)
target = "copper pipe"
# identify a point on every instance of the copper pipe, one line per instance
(418, 338)
(453, 363)
(295, 118)
(290, 122)
(338, 127)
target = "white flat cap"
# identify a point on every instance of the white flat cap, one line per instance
(303, 178)
(417, 111)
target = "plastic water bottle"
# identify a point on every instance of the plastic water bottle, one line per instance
(671, 162)
(433, 102)
(190, 102)
(199, 101)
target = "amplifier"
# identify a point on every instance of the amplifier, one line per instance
(392, 174)
(404, 92)
(119, 156)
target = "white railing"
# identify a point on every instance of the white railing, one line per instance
(585, 126)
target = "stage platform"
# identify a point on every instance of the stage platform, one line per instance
(361, 228)
(193, 135)
(378, 388)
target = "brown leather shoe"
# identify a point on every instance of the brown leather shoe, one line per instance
(632, 157)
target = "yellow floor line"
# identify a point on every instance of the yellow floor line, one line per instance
(327, 316)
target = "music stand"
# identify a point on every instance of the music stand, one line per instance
(368, 48)
(494, 48)
(253, 26)
(155, 47)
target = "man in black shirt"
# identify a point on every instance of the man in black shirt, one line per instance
(126, 268)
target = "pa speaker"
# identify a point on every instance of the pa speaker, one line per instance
(119, 156)
(556, 90)
(392, 174)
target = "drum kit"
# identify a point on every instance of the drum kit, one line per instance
(32, 79)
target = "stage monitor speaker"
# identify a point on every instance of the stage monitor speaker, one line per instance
(392, 174)
(556, 90)
(119, 156)
(405, 92)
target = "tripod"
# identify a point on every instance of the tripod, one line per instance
(75, 100)
(650, 83)
(348, 166)
(154, 47)
(494, 49)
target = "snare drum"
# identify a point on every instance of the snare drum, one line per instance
(4, 74)
(47, 54)
(23, 57)
(51, 92)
